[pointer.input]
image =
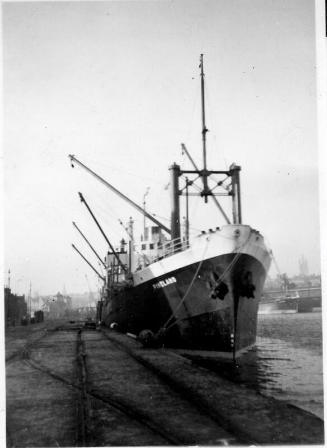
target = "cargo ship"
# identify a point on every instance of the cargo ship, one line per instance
(199, 293)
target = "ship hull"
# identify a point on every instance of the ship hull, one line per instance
(210, 304)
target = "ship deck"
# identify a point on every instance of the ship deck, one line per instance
(70, 385)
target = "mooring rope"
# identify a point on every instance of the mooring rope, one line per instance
(222, 277)
(187, 291)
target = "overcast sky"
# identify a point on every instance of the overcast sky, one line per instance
(117, 84)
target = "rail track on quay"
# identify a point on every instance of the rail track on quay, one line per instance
(85, 409)
(109, 409)
(68, 385)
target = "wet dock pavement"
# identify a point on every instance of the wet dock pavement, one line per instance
(72, 386)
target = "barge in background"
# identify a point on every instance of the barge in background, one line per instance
(195, 293)
(285, 302)
(310, 299)
(301, 300)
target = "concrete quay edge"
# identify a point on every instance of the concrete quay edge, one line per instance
(251, 416)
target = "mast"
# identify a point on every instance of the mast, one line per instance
(144, 214)
(130, 243)
(175, 217)
(234, 190)
(187, 223)
(236, 193)
(206, 191)
(30, 299)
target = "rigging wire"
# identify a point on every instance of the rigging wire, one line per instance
(188, 289)
(95, 259)
(103, 216)
(104, 219)
(101, 268)
(106, 211)
(279, 274)
(194, 229)
(123, 170)
(110, 210)
(195, 100)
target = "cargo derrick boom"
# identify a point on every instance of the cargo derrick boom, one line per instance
(92, 267)
(90, 245)
(104, 235)
(119, 193)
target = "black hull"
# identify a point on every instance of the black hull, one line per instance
(218, 312)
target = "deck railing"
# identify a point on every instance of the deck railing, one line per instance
(171, 248)
(162, 251)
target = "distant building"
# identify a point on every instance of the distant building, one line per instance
(303, 267)
(15, 308)
(295, 282)
(57, 306)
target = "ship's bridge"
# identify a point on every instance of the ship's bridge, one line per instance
(152, 239)
(150, 247)
(154, 246)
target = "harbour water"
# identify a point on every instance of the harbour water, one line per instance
(286, 362)
(288, 359)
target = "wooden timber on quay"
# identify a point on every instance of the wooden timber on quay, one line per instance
(70, 385)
